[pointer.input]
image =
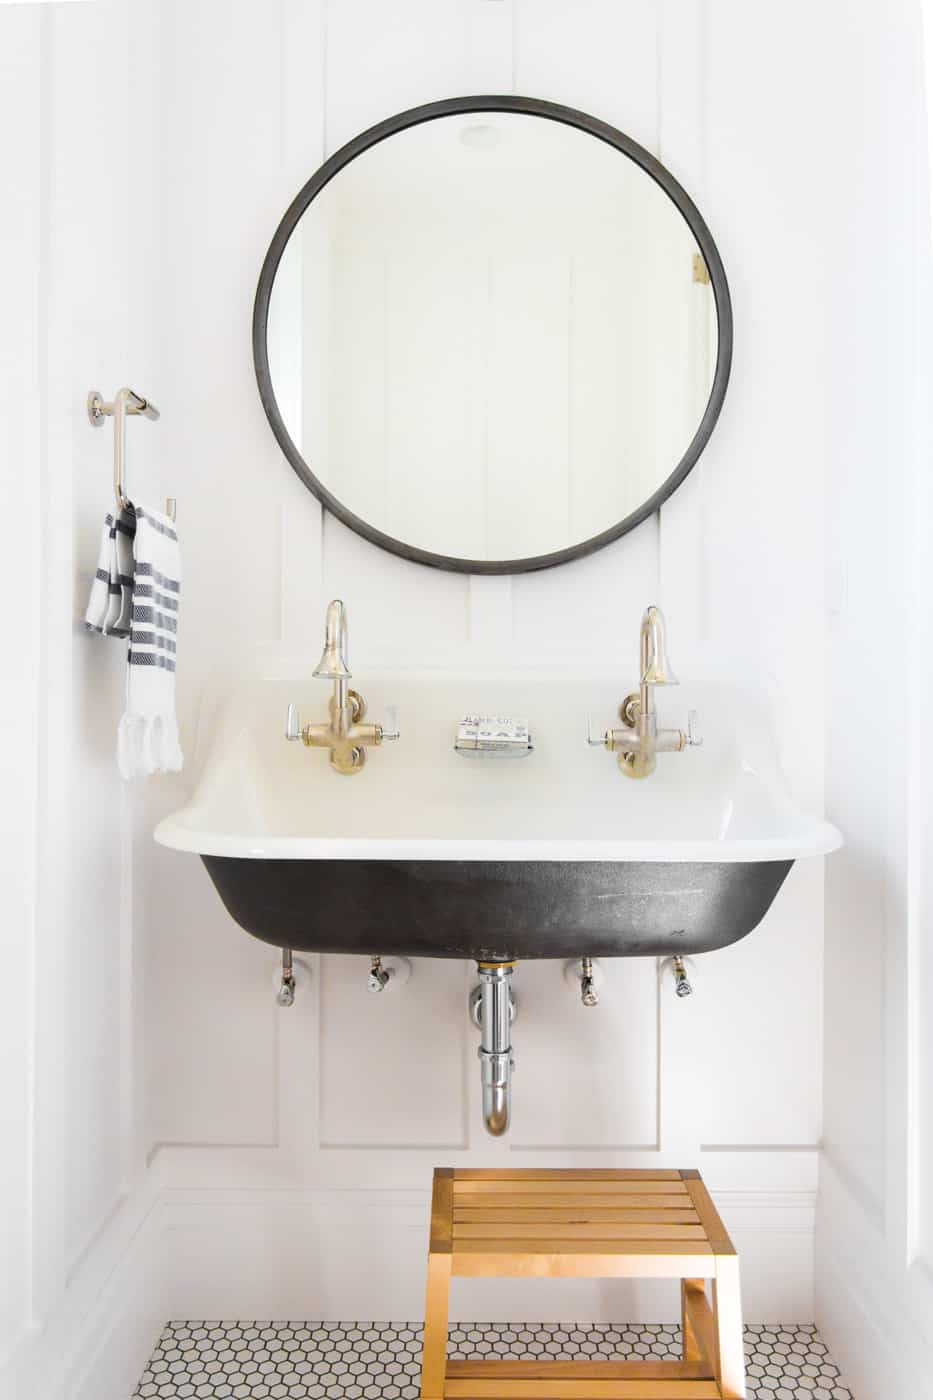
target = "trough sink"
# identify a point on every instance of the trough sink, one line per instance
(429, 853)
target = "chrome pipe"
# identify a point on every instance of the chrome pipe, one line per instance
(494, 1015)
(588, 992)
(285, 996)
(682, 984)
(379, 976)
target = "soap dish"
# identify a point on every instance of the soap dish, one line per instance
(493, 736)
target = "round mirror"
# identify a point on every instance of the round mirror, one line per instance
(492, 334)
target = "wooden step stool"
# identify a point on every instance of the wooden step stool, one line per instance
(585, 1224)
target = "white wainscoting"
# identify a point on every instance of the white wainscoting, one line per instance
(157, 1033)
(82, 1300)
(337, 1254)
(249, 1100)
(874, 1245)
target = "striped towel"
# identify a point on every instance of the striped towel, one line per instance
(108, 608)
(135, 594)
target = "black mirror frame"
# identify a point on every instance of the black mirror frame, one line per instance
(552, 111)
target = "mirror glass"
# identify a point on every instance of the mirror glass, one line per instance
(491, 337)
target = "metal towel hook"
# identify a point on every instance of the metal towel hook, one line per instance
(125, 401)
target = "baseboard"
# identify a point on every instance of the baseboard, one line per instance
(880, 1341)
(329, 1255)
(332, 1255)
(95, 1343)
(868, 1356)
(127, 1319)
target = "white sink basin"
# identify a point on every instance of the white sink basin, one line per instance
(442, 854)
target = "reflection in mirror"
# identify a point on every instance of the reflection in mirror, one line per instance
(491, 336)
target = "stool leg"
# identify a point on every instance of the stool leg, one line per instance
(692, 1349)
(727, 1307)
(437, 1305)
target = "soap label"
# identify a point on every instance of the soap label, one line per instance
(492, 732)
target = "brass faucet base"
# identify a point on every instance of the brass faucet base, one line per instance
(347, 763)
(344, 735)
(356, 703)
(630, 709)
(639, 741)
(637, 765)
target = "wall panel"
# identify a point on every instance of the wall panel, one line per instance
(682, 146)
(213, 1068)
(81, 105)
(718, 561)
(21, 54)
(392, 1064)
(394, 613)
(590, 1072)
(616, 60)
(874, 1285)
(590, 609)
(758, 1047)
(380, 63)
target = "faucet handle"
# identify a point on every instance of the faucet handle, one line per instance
(390, 729)
(694, 737)
(293, 723)
(596, 741)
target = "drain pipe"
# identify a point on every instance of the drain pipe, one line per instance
(493, 1010)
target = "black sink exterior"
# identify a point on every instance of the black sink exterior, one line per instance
(497, 910)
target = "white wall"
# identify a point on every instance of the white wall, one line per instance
(76, 112)
(266, 1193)
(874, 1241)
(277, 1179)
(19, 387)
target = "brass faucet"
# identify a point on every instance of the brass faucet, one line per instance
(344, 734)
(640, 740)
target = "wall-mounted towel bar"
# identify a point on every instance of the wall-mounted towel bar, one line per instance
(125, 401)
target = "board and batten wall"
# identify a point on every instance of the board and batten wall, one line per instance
(192, 1149)
(295, 1147)
(874, 1242)
(80, 1292)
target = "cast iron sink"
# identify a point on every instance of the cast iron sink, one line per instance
(426, 853)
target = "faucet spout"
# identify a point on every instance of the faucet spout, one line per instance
(344, 733)
(639, 741)
(656, 669)
(333, 663)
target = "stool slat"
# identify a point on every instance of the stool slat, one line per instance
(556, 1186)
(583, 1214)
(520, 1198)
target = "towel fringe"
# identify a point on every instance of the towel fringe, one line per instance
(148, 744)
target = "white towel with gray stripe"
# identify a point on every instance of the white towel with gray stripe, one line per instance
(108, 608)
(135, 593)
(147, 740)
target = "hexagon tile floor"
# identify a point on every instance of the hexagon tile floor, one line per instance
(382, 1361)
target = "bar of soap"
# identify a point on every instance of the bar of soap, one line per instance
(493, 734)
